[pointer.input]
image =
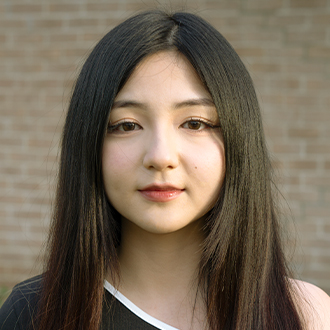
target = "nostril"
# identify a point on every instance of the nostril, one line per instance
(161, 156)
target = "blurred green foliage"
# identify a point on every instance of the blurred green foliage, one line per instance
(4, 293)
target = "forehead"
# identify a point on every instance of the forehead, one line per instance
(167, 72)
(169, 61)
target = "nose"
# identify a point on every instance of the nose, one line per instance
(161, 151)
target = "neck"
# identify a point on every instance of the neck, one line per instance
(159, 273)
(160, 264)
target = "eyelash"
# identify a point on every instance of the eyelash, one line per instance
(208, 125)
(115, 127)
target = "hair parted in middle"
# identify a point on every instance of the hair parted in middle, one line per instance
(242, 262)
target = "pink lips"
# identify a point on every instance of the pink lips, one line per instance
(160, 192)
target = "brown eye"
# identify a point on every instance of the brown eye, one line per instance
(198, 125)
(194, 124)
(128, 126)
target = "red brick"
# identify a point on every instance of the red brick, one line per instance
(28, 214)
(291, 180)
(136, 6)
(306, 36)
(277, 164)
(83, 22)
(93, 36)
(262, 4)
(9, 227)
(286, 149)
(319, 211)
(102, 6)
(45, 84)
(307, 196)
(26, 186)
(40, 172)
(11, 170)
(261, 35)
(322, 19)
(318, 149)
(308, 3)
(63, 37)
(41, 200)
(319, 52)
(321, 84)
(22, 156)
(302, 67)
(41, 113)
(7, 83)
(303, 165)
(15, 141)
(111, 22)
(262, 67)
(318, 180)
(11, 199)
(39, 143)
(293, 52)
(289, 83)
(304, 133)
(64, 7)
(77, 53)
(246, 52)
(228, 5)
(48, 53)
(60, 68)
(14, 113)
(9, 53)
(315, 115)
(272, 131)
(326, 229)
(28, 38)
(307, 227)
(48, 23)
(28, 68)
(12, 23)
(302, 100)
(314, 274)
(288, 20)
(28, 8)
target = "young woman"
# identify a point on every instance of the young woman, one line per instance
(164, 216)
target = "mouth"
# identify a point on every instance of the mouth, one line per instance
(161, 192)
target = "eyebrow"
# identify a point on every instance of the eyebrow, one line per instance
(187, 103)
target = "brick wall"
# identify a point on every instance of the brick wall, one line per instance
(285, 45)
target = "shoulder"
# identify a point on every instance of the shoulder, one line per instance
(27, 291)
(313, 303)
(19, 309)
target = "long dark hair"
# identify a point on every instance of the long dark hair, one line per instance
(242, 262)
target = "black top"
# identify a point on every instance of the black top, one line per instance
(19, 310)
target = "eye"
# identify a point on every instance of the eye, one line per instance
(197, 125)
(126, 126)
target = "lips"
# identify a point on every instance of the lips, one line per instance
(161, 192)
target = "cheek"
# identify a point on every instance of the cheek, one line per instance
(117, 165)
(208, 164)
(118, 160)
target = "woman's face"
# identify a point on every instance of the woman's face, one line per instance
(163, 156)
